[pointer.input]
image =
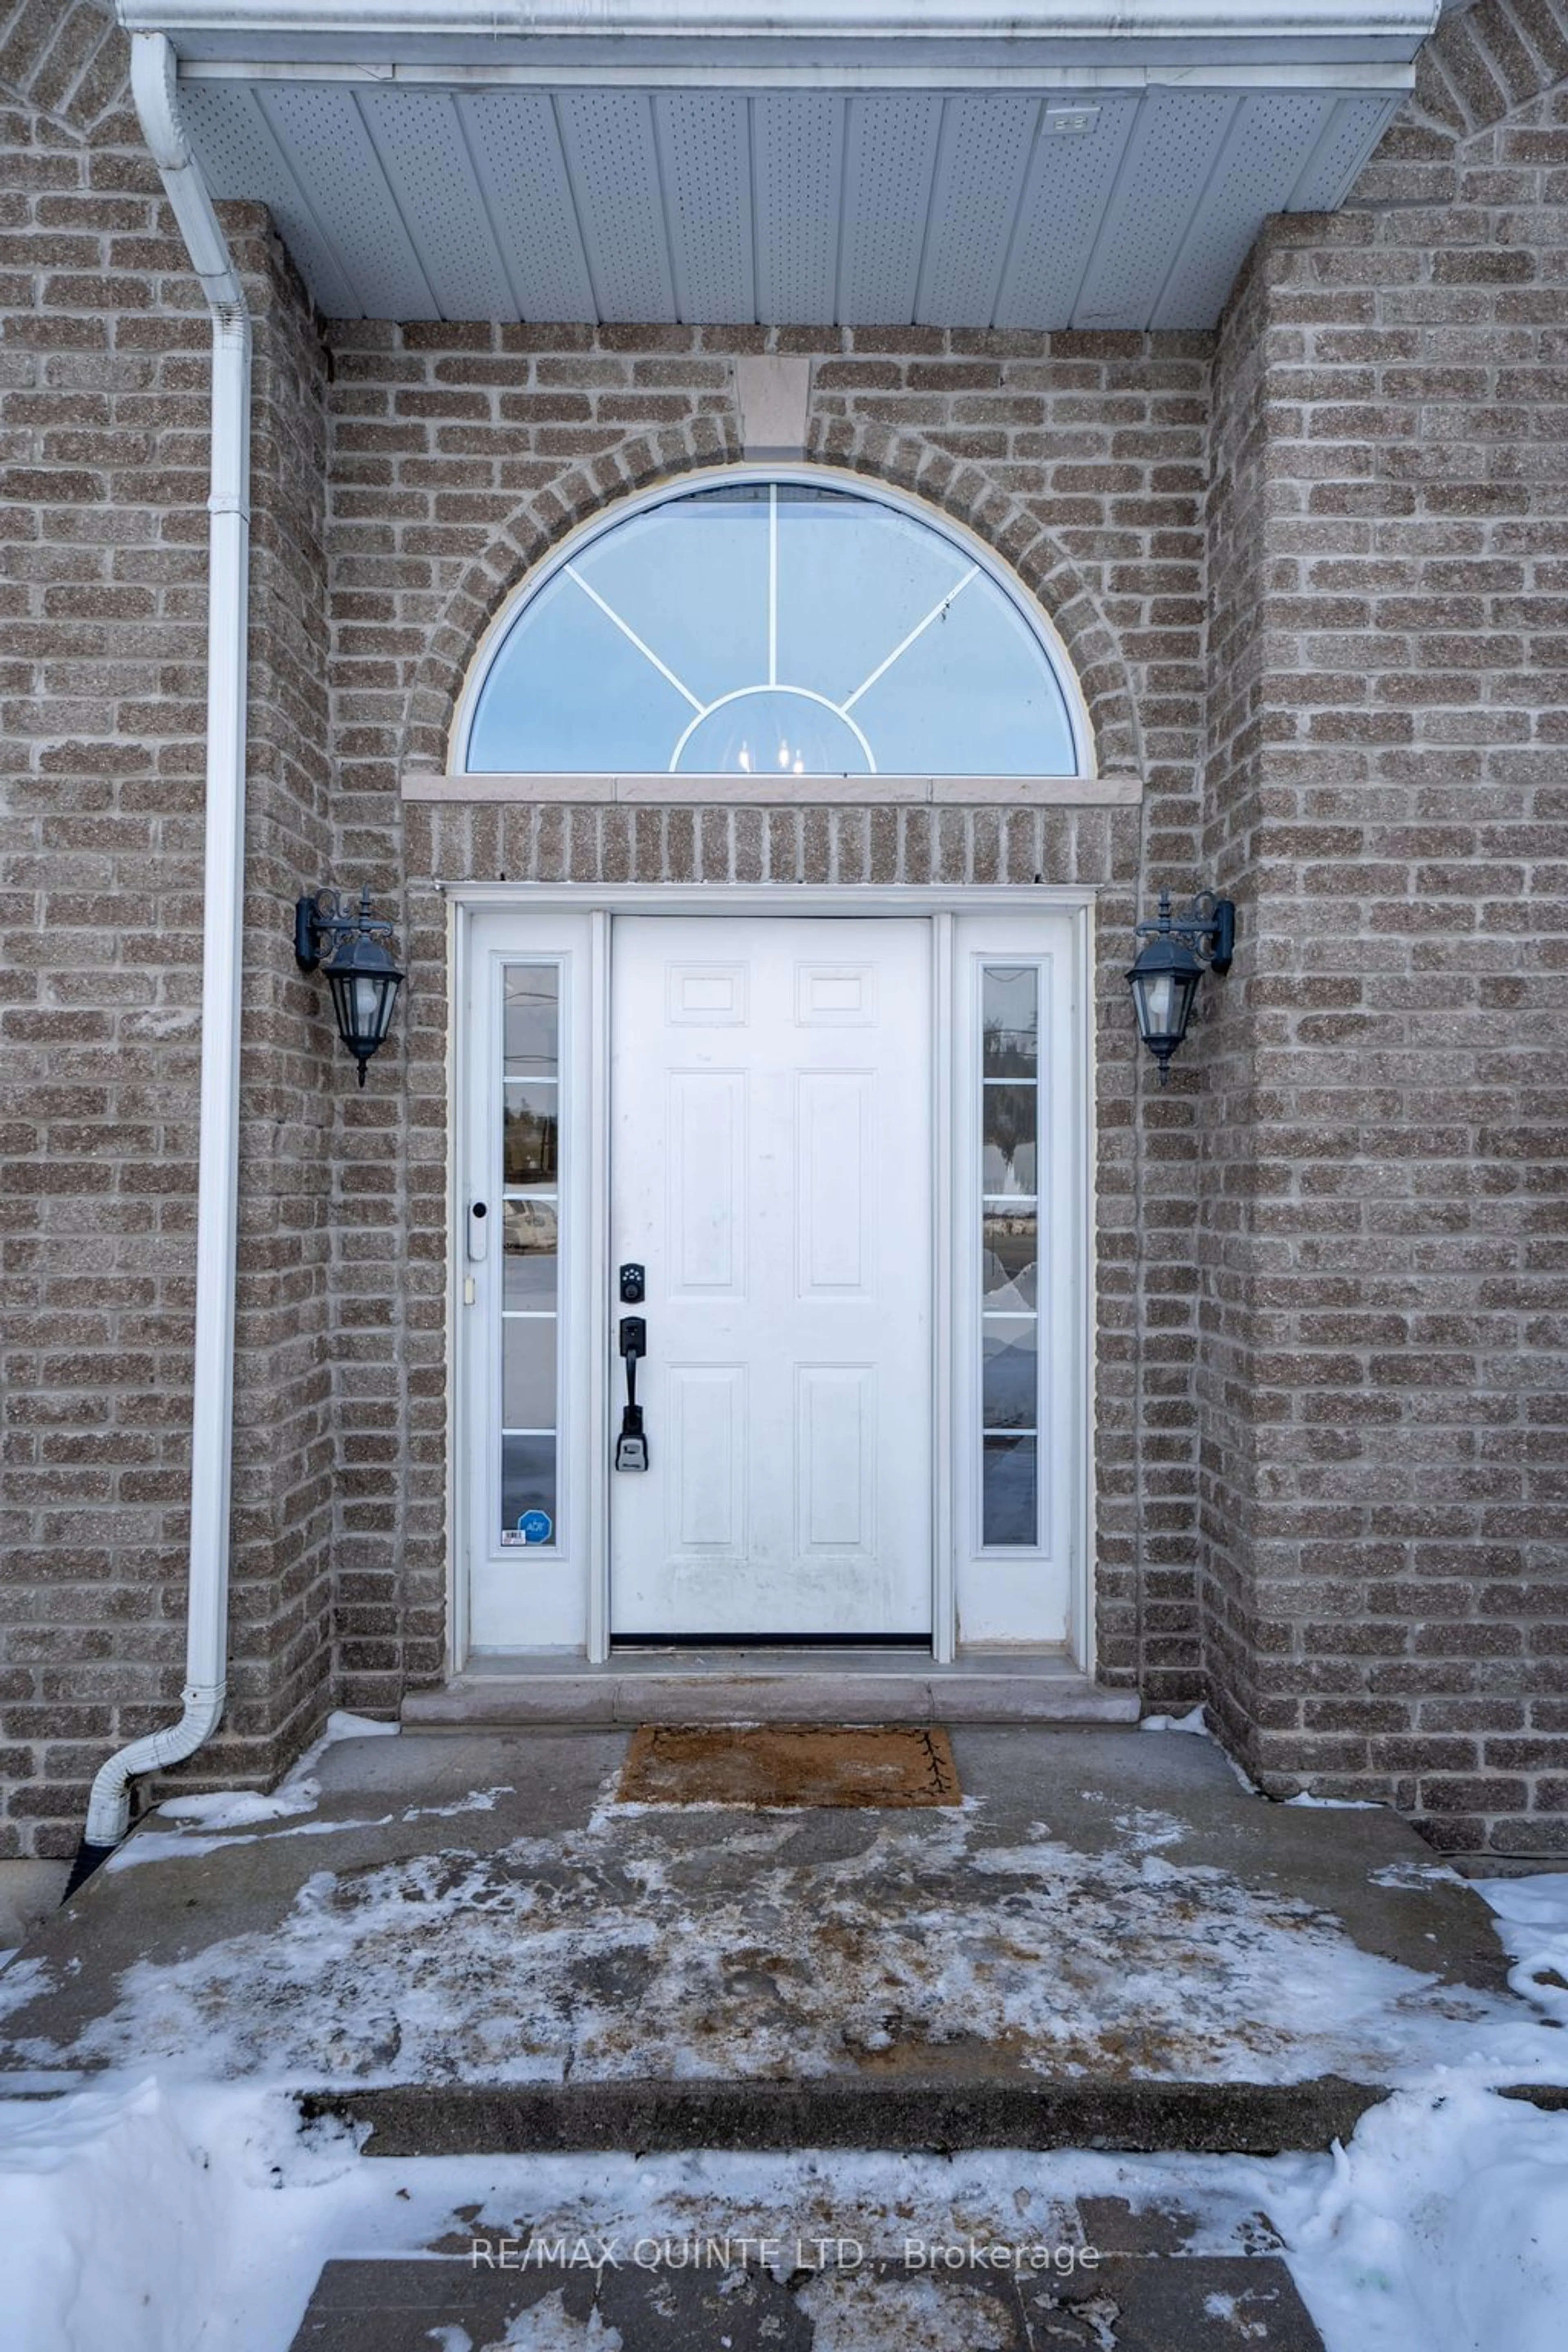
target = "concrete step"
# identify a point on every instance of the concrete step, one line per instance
(687, 2296)
(903, 2113)
(770, 1686)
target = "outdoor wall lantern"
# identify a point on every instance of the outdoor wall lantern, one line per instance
(363, 977)
(1165, 973)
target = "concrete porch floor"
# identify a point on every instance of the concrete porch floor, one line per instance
(468, 1942)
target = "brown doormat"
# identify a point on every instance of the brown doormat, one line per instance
(789, 1764)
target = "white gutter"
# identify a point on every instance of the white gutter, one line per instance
(1026, 20)
(228, 560)
(359, 29)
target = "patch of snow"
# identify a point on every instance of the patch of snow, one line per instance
(299, 1791)
(1410, 1876)
(549, 2326)
(1531, 1917)
(1195, 1722)
(136, 2213)
(240, 1810)
(1442, 2228)
(23, 1981)
(1335, 1804)
(1144, 1830)
(478, 1800)
(857, 2311)
(166, 1845)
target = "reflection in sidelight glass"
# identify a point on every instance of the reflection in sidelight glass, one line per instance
(1009, 1256)
(1012, 1503)
(531, 1209)
(531, 1133)
(529, 1244)
(1010, 1246)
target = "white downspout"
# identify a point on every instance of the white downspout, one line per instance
(152, 82)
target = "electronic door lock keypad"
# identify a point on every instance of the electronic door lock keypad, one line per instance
(634, 1285)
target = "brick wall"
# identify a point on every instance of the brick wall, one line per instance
(1386, 1576)
(459, 453)
(103, 412)
(1315, 595)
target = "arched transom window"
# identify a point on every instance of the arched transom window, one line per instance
(778, 627)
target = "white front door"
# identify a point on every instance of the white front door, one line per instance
(771, 1174)
(850, 1153)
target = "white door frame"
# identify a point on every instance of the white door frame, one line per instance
(940, 905)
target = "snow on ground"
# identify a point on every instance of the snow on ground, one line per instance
(173, 2207)
(885, 1940)
(180, 2220)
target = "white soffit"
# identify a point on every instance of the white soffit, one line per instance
(1069, 167)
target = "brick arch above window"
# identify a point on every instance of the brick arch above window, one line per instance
(1008, 526)
(1485, 64)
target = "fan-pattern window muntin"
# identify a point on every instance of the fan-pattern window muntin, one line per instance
(781, 627)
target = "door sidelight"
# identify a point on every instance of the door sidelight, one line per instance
(631, 1446)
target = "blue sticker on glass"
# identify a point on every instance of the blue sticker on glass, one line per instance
(536, 1526)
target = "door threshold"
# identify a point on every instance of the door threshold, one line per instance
(767, 1686)
(626, 1648)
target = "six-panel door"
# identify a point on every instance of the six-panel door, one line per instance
(770, 1170)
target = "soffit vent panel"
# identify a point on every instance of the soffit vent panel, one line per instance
(1077, 208)
(1070, 179)
(797, 179)
(612, 161)
(515, 142)
(986, 145)
(240, 156)
(324, 139)
(1174, 146)
(890, 166)
(704, 146)
(1270, 133)
(430, 178)
(1354, 130)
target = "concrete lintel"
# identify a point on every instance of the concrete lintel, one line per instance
(1117, 790)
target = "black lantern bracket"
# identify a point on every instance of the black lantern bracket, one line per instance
(1166, 972)
(359, 969)
(1209, 923)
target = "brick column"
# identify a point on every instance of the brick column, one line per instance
(1385, 1423)
(104, 366)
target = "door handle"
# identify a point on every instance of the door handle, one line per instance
(631, 1446)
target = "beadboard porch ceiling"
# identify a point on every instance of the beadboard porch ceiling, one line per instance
(1074, 166)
